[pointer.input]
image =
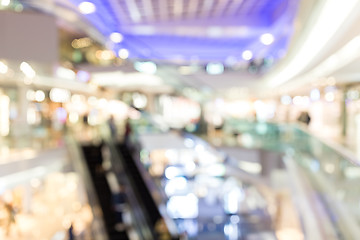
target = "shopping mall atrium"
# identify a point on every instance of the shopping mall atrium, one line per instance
(179, 119)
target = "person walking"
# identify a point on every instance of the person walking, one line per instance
(127, 132)
(71, 232)
(112, 126)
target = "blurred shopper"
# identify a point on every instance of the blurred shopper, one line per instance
(304, 118)
(112, 126)
(127, 132)
(11, 216)
(71, 232)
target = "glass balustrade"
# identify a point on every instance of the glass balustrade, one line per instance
(332, 171)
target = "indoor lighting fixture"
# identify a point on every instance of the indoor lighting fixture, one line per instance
(59, 95)
(87, 7)
(123, 53)
(65, 73)
(27, 70)
(4, 115)
(329, 96)
(146, 67)
(267, 38)
(315, 94)
(247, 55)
(297, 100)
(39, 96)
(105, 55)
(286, 100)
(116, 37)
(81, 42)
(5, 3)
(214, 68)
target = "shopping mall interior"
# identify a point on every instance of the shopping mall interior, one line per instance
(179, 119)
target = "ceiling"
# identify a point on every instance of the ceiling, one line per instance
(192, 33)
(183, 31)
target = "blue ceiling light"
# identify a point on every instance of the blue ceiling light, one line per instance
(262, 27)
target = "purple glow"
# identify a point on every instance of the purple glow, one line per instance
(164, 43)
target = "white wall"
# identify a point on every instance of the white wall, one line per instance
(28, 37)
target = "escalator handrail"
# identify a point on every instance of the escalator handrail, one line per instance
(142, 227)
(78, 161)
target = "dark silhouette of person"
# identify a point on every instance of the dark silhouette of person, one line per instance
(112, 127)
(127, 132)
(304, 118)
(71, 232)
(11, 216)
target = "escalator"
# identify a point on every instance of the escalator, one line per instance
(112, 218)
(152, 214)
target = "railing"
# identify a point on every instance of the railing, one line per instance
(142, 222)
(78, 161)
(332, 170)
(138, 216)
(156, 192)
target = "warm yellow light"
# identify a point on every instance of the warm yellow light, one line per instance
(105, 54)
(81, 42)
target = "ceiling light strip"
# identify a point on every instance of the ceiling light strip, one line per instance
(234, 7)
(178, 8)
(119, 12)
(148, 9)
(192, 8)
(163, 10)
(220, 8)
(133, 10)
(206, 9)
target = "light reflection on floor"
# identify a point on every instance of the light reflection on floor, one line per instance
(204, 202)
(45, 209)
